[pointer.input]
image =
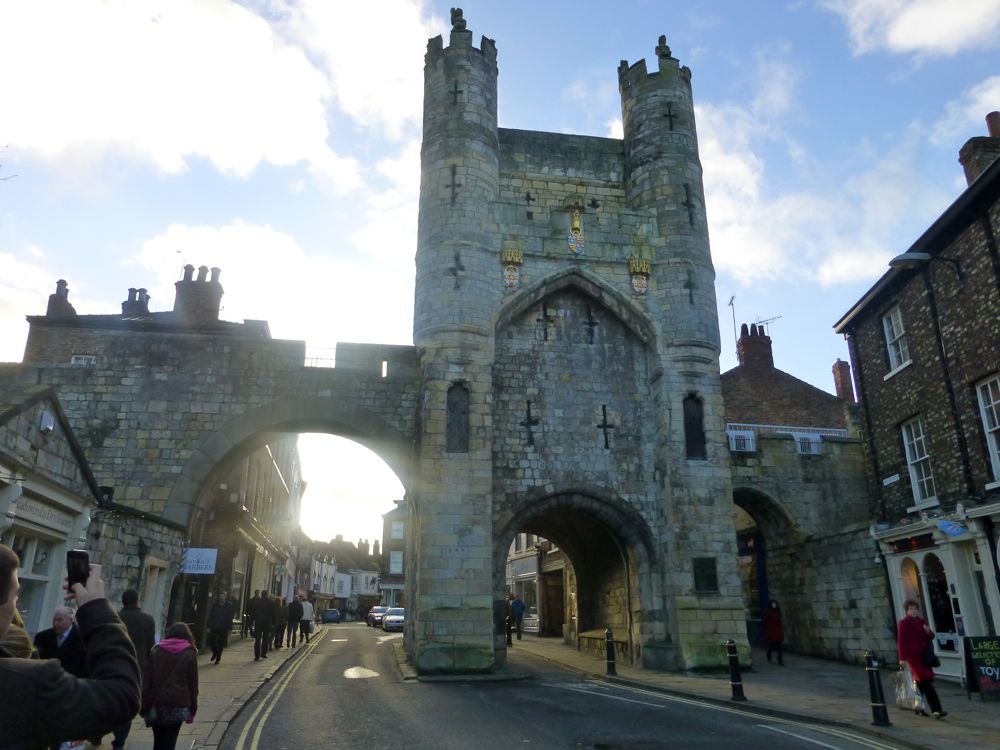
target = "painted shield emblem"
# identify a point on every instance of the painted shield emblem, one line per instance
(575, 242)
(639, 283)
(511, 276)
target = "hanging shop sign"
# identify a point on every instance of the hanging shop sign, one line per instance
(199, 560)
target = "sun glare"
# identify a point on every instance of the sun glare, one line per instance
(349, 488)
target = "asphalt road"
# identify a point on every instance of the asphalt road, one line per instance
(345, 691)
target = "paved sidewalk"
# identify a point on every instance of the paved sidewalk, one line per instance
(223, 690)
(817, 689)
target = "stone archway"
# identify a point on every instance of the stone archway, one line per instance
(241, 435)
(765, 537)
(609, 552)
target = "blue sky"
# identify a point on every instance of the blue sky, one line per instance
(280, 141)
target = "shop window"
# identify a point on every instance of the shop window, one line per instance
(989, 409)
(918, 461)
(895, 339)
(941, 614)
(912, 586)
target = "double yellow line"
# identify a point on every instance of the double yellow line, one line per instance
(271, 700)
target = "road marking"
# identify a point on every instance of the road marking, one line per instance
(597, 688)
(800, 737)
(272, 698)
(360, 673)
(339, 640)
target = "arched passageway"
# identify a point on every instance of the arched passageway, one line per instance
(586, 558)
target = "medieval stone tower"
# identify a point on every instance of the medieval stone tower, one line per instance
(566, 325)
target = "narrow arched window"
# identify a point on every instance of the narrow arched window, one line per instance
(694, 427)
(457, 430)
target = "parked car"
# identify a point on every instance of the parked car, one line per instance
(375, 616)
(393, 619)
(331, 615)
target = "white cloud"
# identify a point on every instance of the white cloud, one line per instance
(966, 115)
(376, 83)
(259, 262)
(163, 83)
(923, 27)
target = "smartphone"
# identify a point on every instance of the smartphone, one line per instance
(77, 567)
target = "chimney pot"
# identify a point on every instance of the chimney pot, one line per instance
(202, 273)
(993, 124)
(216, 271)
(754, 349)
(131, 294)
(188, 272)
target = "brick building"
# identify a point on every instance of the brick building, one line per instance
(925, 345)
(392, 579)
(802, 506)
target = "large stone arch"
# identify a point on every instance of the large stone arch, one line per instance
(244, 433)
(766, 510)
(593, 527)
(579, 280)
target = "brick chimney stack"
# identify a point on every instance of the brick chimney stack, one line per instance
(979, 152)
(842, 380)
(197, 301)
(59, 306)
(753, 349)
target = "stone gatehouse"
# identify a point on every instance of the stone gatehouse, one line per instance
(564, 379)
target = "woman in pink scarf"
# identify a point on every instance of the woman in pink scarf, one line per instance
(170, 686)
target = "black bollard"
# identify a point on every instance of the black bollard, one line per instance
(509, 641)
(735, 680)
(609, 638)
(880, 716)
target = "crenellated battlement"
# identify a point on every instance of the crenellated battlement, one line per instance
(460, 39)
(637, 76)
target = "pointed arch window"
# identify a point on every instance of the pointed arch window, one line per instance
(457, 429)
(694, 427)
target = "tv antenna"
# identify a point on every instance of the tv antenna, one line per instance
(766, 321)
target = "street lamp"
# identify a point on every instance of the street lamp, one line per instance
(918, 260)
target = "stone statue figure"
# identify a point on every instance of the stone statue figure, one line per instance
(457, 20)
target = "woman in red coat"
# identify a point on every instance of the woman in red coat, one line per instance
(774, 631)
(915, 635)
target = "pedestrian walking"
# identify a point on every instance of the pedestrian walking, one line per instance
(294, 618)
(306, 624)
(774, 631)
(517, 614)
(142, 632)
(248, 615)
(916, 648)
(220, 623)
(280, 621)
(263, 622)
(170, 688)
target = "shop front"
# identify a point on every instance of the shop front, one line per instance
(946, 565)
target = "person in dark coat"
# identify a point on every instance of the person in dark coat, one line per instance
(249, 612)
(170, 687)
(294, 618)
(263, 621)
(517, 614)
(915, 636)
(45, 703)
(142, 632)
(220, 623)
(280, 621)
(63, 642)
(774, 631)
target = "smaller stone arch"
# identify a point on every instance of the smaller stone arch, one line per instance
(250, 430)
(579, 280)
(610, 547)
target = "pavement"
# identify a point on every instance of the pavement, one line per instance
(806, 688)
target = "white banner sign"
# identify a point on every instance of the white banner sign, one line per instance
(199, 560)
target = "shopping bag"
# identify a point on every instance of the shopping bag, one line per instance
(908, 696)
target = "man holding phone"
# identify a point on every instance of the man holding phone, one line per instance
(52, 705)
